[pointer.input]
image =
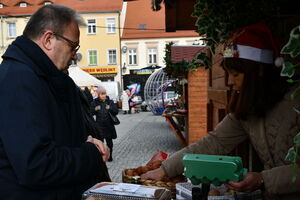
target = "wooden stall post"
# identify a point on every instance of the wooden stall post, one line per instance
(197, 104)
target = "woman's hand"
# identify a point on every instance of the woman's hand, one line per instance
(103, 148)
(156, 174)
(252, 181)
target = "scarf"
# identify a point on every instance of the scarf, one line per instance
(61, 86)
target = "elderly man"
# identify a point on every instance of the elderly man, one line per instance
(45, 151)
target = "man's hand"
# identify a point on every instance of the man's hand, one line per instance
(156, 174)
(97, 108)
(103, 148)
(252, 181)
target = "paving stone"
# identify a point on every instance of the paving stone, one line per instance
(140, 136)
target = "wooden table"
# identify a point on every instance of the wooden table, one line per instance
(170, 118)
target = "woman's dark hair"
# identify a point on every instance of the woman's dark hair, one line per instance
(51, 17)
(262, 87)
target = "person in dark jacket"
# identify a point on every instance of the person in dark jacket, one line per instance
(88, 94)
(89, 121)
(102, 108)
(45, 151)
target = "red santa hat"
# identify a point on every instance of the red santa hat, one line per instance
(254, 42)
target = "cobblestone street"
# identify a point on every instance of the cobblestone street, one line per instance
(139, 137)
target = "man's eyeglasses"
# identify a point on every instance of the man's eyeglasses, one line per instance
(74, 45)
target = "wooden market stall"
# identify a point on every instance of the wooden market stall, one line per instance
(206, 92)
(194, 93)
(205, 113)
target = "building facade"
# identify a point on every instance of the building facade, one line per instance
(119, 39)
(143, 41)
(99, 52)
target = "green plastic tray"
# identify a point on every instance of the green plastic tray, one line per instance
(213, 169)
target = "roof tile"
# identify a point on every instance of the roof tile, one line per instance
(187, 53)
(12, 6)
(140, 12)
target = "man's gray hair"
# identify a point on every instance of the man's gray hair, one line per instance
(51, 17)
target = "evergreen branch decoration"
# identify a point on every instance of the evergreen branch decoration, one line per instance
(292, 50)
(218, 19)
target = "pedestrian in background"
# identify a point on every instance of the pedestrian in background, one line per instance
(89, 121)
(88, 94)
(129, 100)
(45, 151)
(103, 107)
(125, 102)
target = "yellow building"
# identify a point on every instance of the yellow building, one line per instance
(10, 28)
(99, 52)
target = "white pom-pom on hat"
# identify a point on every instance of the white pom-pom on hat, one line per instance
(279, 61)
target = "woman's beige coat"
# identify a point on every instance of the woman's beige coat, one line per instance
(271, 137)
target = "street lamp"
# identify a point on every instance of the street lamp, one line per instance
(122, 71)
(124, 67)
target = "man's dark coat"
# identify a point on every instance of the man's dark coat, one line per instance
(43, 153)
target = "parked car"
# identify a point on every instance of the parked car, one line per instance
(168, 97)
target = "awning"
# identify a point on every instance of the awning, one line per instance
(82, 78)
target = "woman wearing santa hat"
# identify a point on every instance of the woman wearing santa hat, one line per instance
(260, 109)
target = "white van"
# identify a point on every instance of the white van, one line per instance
(112, 90)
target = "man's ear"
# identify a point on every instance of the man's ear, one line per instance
(47, 41)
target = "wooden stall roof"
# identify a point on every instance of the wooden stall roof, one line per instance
(187, 53)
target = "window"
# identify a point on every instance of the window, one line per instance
(112, 57)
(132, 56)
(1, 5)
(152, 56)
(23, 5)
(47, 2)
(92, 57)
(11, 30)
(142, 26)
(171, 95)
(111, 25)
(91, 26)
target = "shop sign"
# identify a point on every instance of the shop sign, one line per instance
(101, 70)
